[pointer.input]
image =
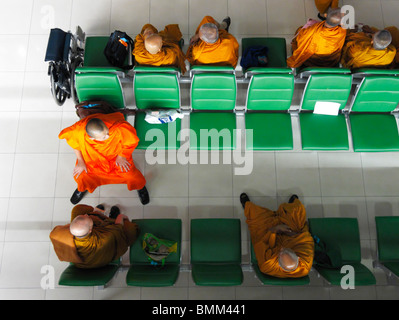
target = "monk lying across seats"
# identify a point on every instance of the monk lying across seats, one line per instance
(319, 45)
(323, 6)
(281, 240)
(212, 44)
(93, 240)
(103, 144)
(362, 50)
(159, 48)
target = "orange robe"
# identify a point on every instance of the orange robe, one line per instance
(107, 241)
(170, 54)
(317, 46)
(224, 52)
(267, 244)
(395, 42)
(100, 156)
(324, 5)
(358, 52)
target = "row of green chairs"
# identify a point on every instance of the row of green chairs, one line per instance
(215, 254)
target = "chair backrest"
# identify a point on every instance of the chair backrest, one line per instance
(215, 241)
(167, 229)
(270, 91)
(343, 233)
(387, 238)
(326, 85)
(213, 91)
(100, 86)
(156, 87)
(277, 50)
(376, 93)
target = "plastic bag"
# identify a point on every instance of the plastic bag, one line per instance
(162, 116)
(157, 249)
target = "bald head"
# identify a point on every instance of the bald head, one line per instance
(382, 39)
(333, 18)
(81, 226)
(153, 43)
(288, 260)
(97, 129)
(209, 33)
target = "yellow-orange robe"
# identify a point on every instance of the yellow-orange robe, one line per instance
(100, 156)
(107, 241)
(224, 52)
(395, 42)
(358, 52)
(170, 54)
(267, 244)
(317, 46)
(324, 5)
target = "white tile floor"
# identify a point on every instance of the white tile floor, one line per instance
(35, 167)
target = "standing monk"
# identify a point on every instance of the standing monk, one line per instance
(319, 45)
(159, 48)
(103, 145)
(212, 44)
(281, 240)
(323, 6)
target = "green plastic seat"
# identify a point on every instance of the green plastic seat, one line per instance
(277, 50)
(343, 233)
(216, 252)
(156, 88)
(318, 131)
(373, 127)
(388, 242)
(213, 97)
(269, 98)
(100, 86)
(274, 281)
(141, 273)
(98, 277)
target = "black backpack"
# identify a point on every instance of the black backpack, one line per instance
(117, 49)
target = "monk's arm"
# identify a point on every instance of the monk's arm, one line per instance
(80, 164)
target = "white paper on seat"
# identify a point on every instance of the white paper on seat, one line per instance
(327, 108)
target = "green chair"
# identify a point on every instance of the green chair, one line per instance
(99, 85)
(373, 126)
(212, 118)
(141, 273)
(320, 131)
(216, 252)
(269, 97)
(274, 281)
(98, 277)
(277, 51)
(343, 234)
(156, 88)
(388, 243)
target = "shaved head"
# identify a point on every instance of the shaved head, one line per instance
(333, 18)
(153, 43)
(382, 39)
(288, 260)
(209, 33)
(97, 129)
(81, 226)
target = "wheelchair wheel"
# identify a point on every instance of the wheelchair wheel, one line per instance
(59, 94)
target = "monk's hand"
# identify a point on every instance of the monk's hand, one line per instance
(194, 39)
(283, 229)
(79, 168)
(122, 163)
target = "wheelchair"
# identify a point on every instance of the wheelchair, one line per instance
(65, 53)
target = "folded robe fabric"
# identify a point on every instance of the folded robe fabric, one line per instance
(324, 5)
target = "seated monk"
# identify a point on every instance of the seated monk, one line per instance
(362, 50)
(323, 6)
(159, 48)
(213, 45)
(320, 44)
(281, 240)
(93, 240)
(103, 144)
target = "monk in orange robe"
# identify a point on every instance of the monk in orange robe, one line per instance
(323, 6)
(362, 51)
(319, 45)
(93, 240)
(159, 48)
(213, 45)
(281, 240)
(103, 145)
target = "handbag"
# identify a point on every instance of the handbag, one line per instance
(87, 108)
(118, 47)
